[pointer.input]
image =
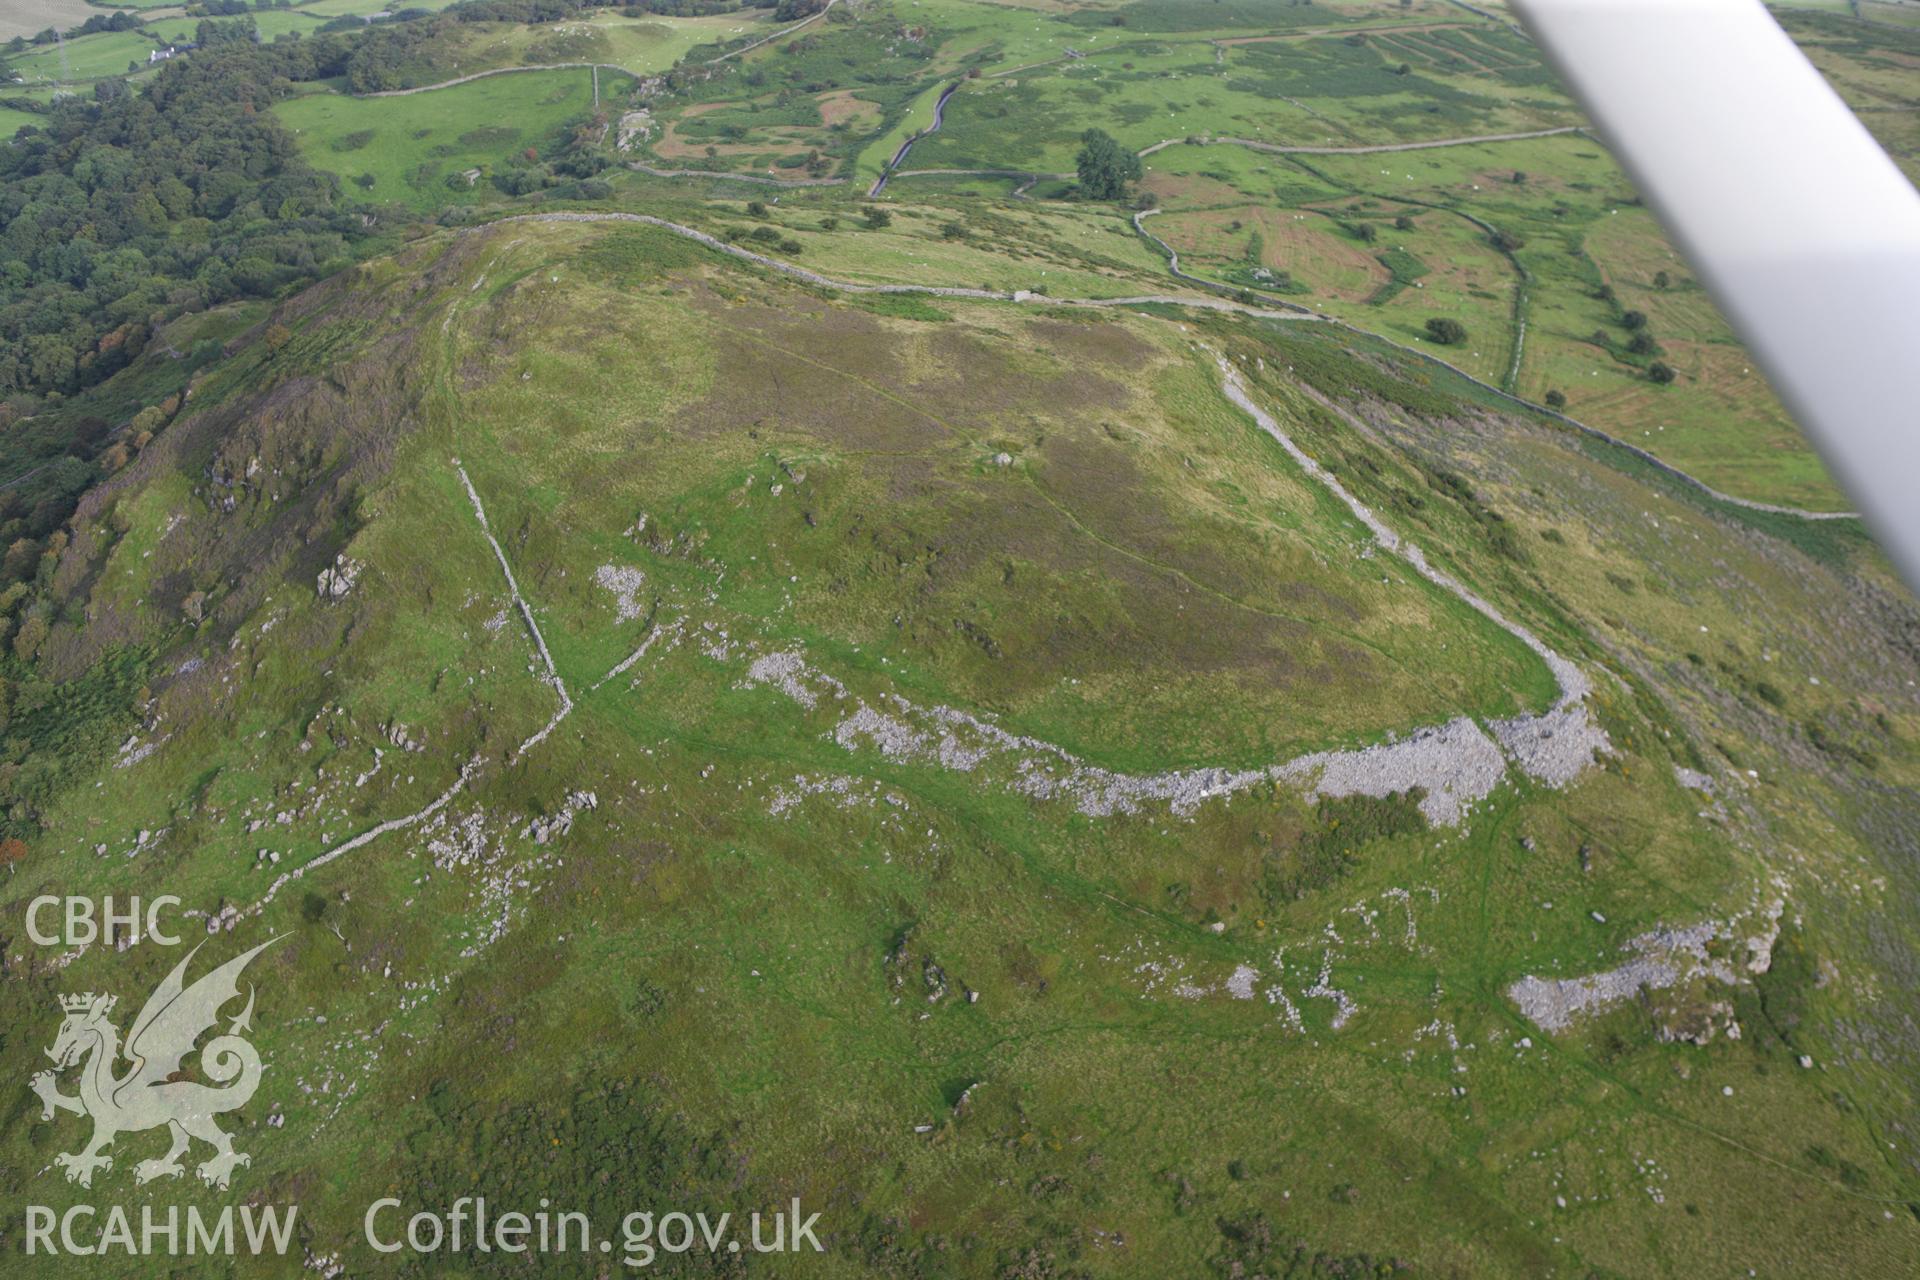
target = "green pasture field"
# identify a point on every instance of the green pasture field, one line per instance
(794, 96)
(274, 23)
(1583, 229)
(104, 53)
(12, 120)
(43, 92)
(1316, 91)
(417, 140)
(178, 29)
(270, 23)
(641, 45)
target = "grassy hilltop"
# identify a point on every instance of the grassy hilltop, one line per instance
(795, 947)
(1075, 770)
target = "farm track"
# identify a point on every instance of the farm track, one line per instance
(1174, 268)
(927, 290)
(784, 31)
(24, 476)
(1492, 17)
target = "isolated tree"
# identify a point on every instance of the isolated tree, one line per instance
(277, 336)
(28, 639)
(1104, 166)
(12, 850)
(1446, 331)
(1556, 399)
(1661, 279)
(1403, 223)
(1660, 372)
(1643, 344)
(1365, 232)
(877, 217)
(1634, 319)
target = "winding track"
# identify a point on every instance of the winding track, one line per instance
(784, 31)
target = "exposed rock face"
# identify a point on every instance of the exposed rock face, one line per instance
(634, 126)
(1696, 1022)
(625, 582)
(1456, 763)
(1694, 780)
(557, 824)
(1555, 746)
(1663, 959)
(338, 579)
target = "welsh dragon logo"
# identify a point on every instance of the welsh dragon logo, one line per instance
(154, 1091)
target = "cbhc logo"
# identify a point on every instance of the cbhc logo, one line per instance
(83, 926)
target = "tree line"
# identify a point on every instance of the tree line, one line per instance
(132, 207)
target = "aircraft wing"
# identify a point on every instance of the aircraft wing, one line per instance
(1799, 225)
